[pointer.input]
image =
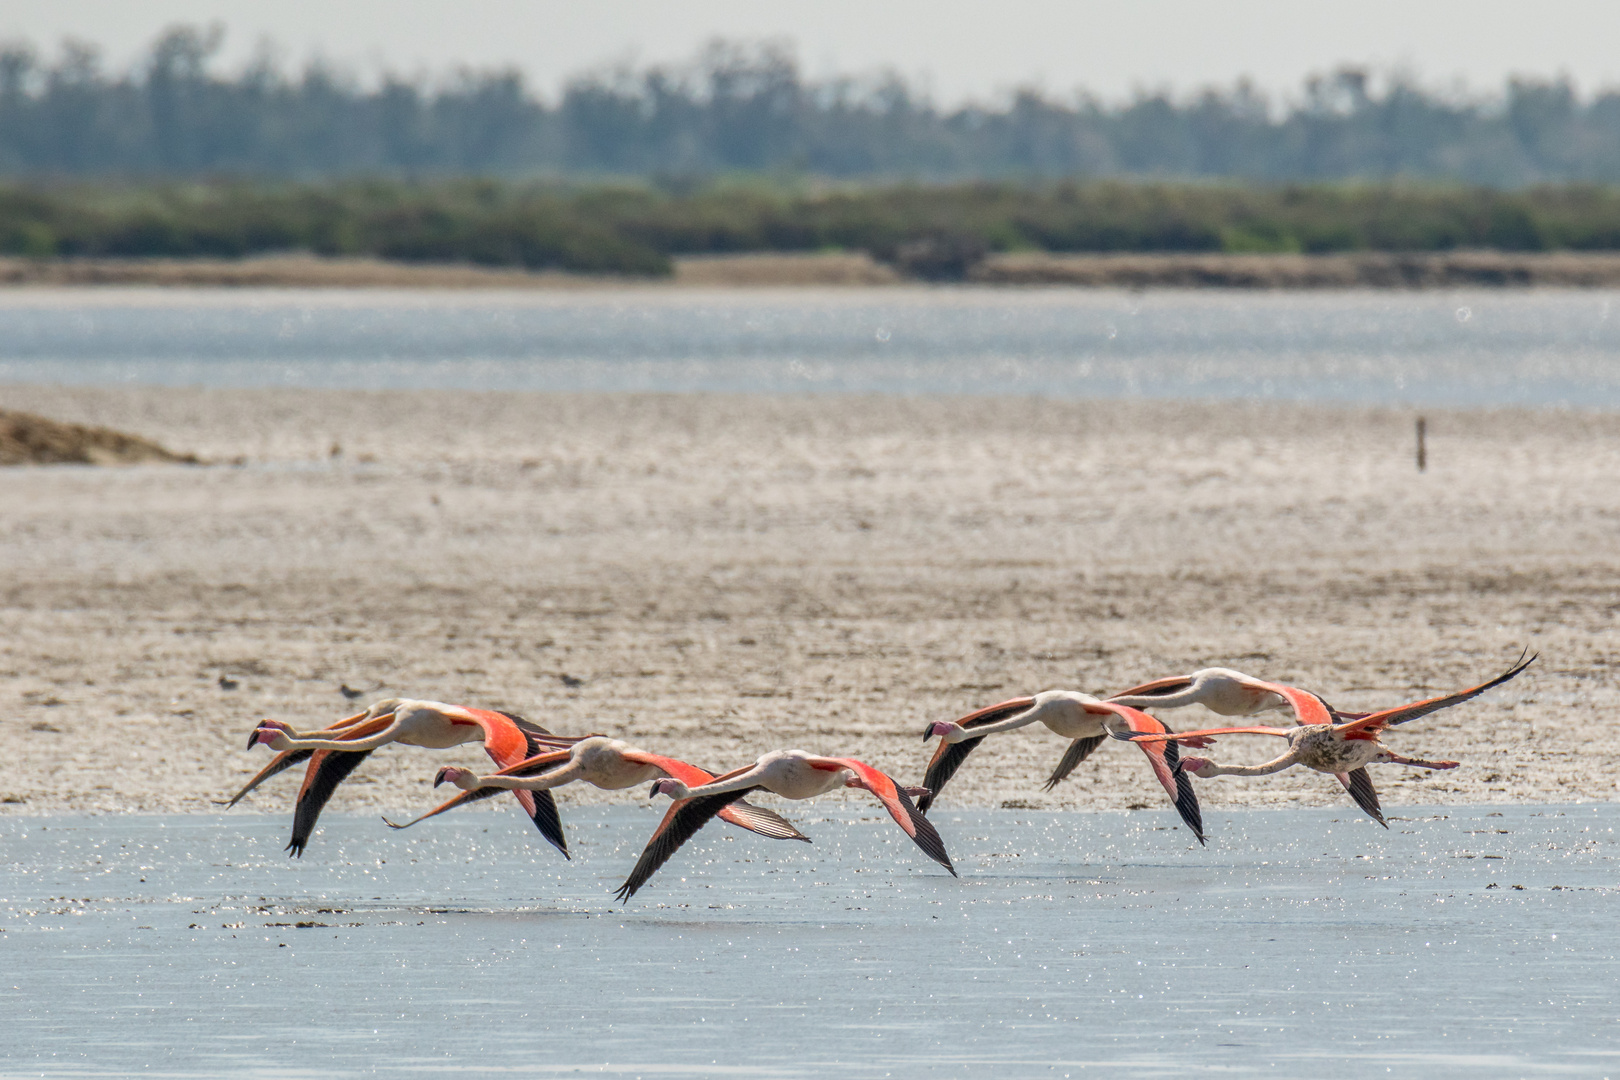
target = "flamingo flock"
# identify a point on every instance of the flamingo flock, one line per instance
(532, 763)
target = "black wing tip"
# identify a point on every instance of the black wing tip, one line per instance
(295, 847)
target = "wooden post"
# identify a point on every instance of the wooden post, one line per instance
(1422, 449)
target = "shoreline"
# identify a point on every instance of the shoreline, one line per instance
(1243, 272)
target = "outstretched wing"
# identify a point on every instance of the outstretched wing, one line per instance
(1373, 722)
(1151, 737)
(528, 767)
(681, 822)
(1359, 784)
(542, 810)
(948, 756)
(510, 740)
(1184, 797)
(281, 762)
(1170, 687)
(1164, 756)
(756, 819)
(1078, 751)
(327, 769)
(901, 808)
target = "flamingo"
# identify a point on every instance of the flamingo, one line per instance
(1079, 717)
(605, 763)
(335, 752)
(1220, 690)
(1326, 742)
(792, 774)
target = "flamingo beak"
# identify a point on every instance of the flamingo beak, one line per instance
(440, 777)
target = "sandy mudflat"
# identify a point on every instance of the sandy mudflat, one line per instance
(714, 577)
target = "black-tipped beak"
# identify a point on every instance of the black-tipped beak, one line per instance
(928, 732)
(652, 792)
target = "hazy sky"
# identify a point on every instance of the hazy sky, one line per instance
(959, 48)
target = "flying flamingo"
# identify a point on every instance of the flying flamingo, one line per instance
(1079, 717)
(333, 753)
(605, 763)
(1220, 690)
(1327, 743)
(792, 774)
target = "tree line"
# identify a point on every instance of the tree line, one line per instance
(926, 230)
(748, 109)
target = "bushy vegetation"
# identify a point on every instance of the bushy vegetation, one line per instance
(736, 109)
(930, 231)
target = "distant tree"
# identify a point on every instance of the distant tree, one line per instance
(749, 109)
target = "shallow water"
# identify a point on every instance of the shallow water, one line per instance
(1466, 941)
(1442, 348)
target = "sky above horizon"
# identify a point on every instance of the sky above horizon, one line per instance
(957, 49)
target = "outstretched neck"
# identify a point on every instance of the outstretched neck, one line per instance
(1205, 768)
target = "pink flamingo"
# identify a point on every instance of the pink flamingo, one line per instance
(605, 763)
(335, 752)
(1322, 740)
(792, 774)
(1079, 717)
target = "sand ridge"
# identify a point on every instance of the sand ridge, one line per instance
(718, 576)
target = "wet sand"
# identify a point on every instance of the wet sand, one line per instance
(713, 577)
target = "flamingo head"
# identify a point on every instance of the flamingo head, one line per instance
(667, 786)
(453, 774)
(1198, 766)
(943, 728)
(267, 732)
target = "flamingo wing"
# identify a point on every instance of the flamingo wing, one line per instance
(757, 819)
(1308, 707)
(1158, 688)
(1406, 713)
(1164, 757)
(901, 808)
(744, 814)
(948, 756)
(1078, 751)
(528, 767)
(327, 769)
(680, 823)
(1188, 736)
(510, 740)
(1358, 782)
(281, 762)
